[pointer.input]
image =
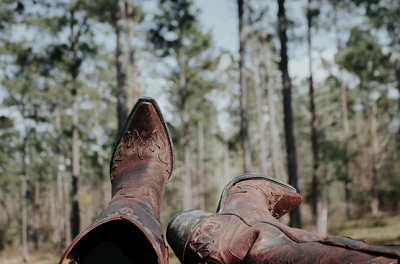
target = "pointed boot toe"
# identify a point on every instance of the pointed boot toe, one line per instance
(129, 228)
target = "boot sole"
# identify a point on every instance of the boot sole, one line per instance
(248, 176)
(166, 131)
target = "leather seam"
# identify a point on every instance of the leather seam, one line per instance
(229, 246)
(288, 235)
(244, 221)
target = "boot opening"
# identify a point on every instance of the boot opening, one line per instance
(114, 242)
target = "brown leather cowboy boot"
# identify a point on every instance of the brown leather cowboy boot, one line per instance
(129, 229)
(245, 230)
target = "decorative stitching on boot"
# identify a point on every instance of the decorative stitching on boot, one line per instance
(134, 141)
(135, 192)
(125, 211)
(272, 196)
(119, 156)
(201, 242)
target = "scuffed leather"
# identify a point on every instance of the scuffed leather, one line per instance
(210, 239)
(140, 167)
(246, 230)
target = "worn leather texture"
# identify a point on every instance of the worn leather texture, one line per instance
(245, 229)
(140, 167)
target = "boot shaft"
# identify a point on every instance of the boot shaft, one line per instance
(256, 197)
(143, 158)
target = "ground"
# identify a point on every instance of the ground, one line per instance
(386, 232)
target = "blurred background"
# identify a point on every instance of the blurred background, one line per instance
(305, 91)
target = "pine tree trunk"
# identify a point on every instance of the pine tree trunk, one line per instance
(324, 220)
(67, 219)
(346, 127)
(375, 149)
(3, 213)
(397, 73)
(131, 34)
(244, 129)
(201, 167)
(60, 194)
(60, 211)
(346, 132)
(218, 156)
(279, 170)
(75, 135)
(397, 45)
(53, 216)
(317, 204)
(227, 166)
(36, 202)
(276, 142)
(36, 216)
(36, 220)
(100, 161)
(295, 218)
(218, 167)
(187, 203)
(187, 180)
(9, 208)
(122, 110)
(75, 167)
(17, 205)
(24, 230)
(260, 122)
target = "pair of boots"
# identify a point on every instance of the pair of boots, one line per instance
(244, 229)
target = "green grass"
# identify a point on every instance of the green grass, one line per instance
(47, 261)
(173, 260)
(387, 231)
(31, 260)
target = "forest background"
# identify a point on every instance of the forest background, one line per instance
(304, 91)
